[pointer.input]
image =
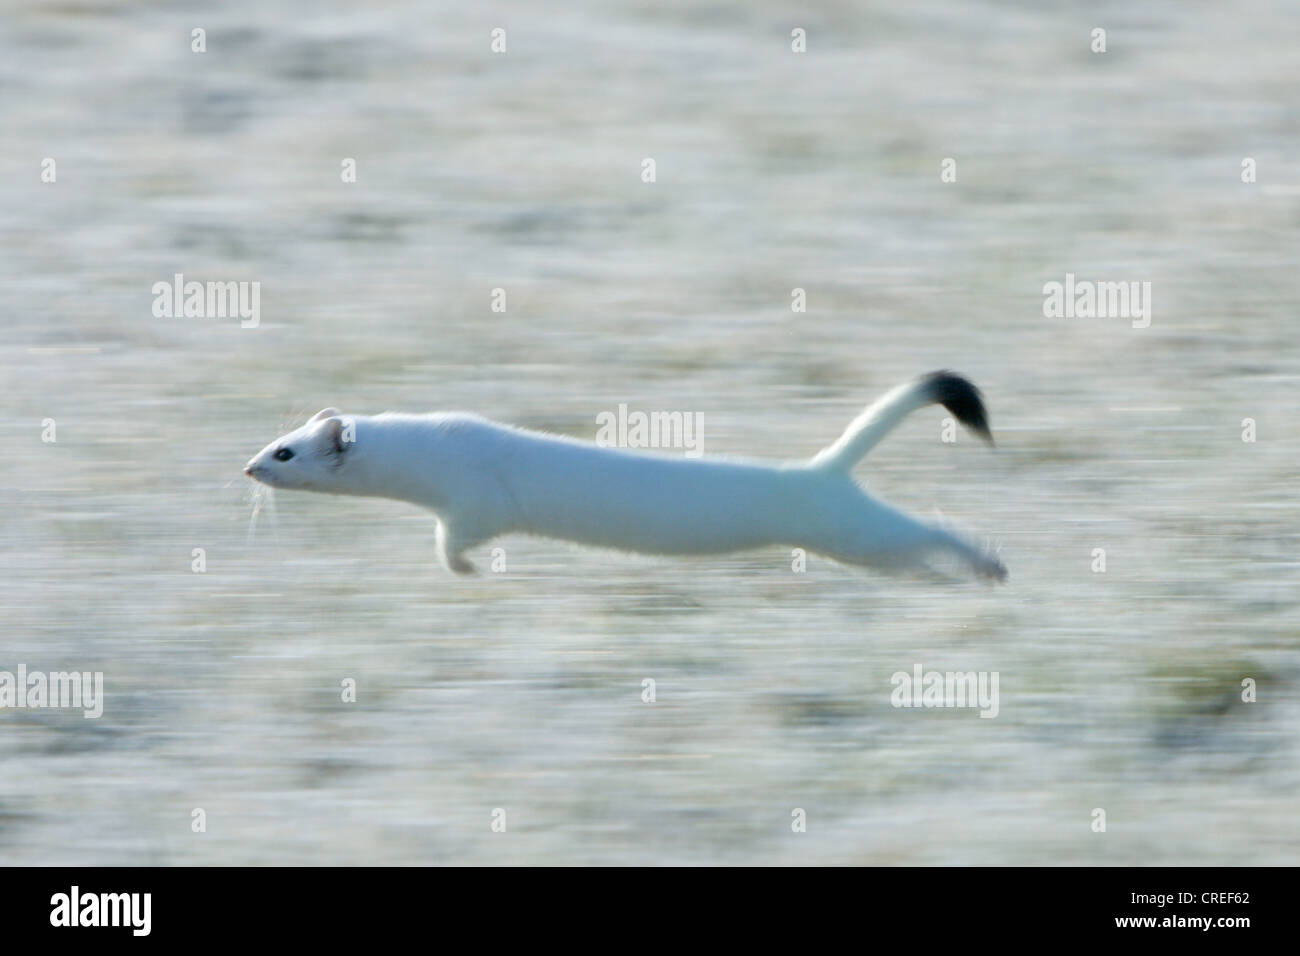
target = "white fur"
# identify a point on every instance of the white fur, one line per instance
(483, 479)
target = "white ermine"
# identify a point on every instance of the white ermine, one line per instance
(482, 479)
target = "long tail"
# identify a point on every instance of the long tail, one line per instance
(948, 389)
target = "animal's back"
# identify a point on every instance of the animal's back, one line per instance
(648, 502)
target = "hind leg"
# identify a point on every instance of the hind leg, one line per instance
(870, 533)
(981, 560)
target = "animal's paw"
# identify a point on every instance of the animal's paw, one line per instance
(459, 564)
(989, 565)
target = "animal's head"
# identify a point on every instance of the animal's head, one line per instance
(307, 458)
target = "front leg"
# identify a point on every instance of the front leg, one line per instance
(453, 539)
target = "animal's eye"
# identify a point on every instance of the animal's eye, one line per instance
(284, 454)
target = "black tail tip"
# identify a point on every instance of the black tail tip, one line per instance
(960, 397)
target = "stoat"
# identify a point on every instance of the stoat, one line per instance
(483, 479)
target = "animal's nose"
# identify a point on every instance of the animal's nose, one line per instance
(248, 469)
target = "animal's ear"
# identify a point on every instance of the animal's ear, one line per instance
(324, 413)
(338, 434)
